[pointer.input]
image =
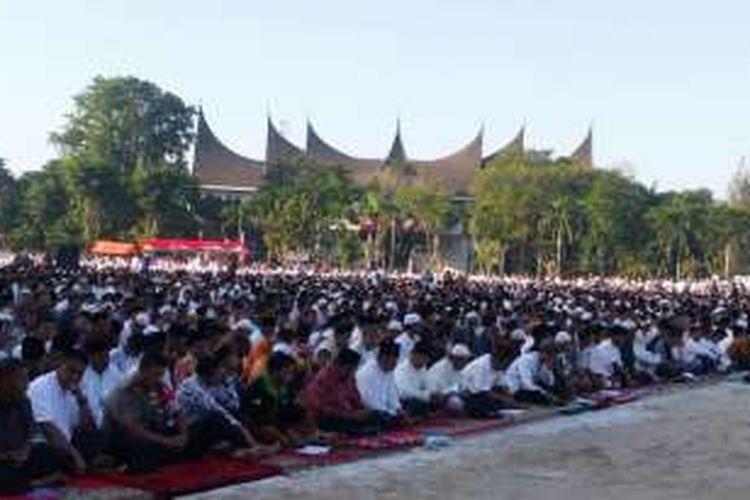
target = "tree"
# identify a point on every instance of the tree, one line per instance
(8, 201)
(47, 216)
(297, 206)
(123, 165)
(559, 220)
(739, 186)
(430, 206)
(728, 230)
(680, 223)
(506, 213)
(165, 202)
(127, 122)
(616, 230)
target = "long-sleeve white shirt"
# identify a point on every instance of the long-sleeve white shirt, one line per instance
(411, 381)
(443, 378)
(97, 386)
(51, 404)
(406, 343)
(644, 358)
(696, 348)
(378, 388)
(528, 373)
(479, 376)
(604, 357)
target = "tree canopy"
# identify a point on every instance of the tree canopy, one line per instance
(122, 173)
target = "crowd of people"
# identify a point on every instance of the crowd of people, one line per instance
(107, 367)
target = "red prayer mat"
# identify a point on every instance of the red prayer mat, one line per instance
(182, 478)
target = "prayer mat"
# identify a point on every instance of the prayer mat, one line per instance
(187, 477)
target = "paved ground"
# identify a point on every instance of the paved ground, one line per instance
(692, 444)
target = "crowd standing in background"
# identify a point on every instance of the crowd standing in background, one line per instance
(121, 364)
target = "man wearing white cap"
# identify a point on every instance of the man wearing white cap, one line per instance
(411, 381)
(444, 377)
(409, 337)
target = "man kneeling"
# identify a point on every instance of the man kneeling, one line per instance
(332, 399)
(147, 431)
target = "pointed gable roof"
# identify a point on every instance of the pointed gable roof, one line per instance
(279, 147)
(362, 170)
(214, 164)
(397, 153)
(516, 146)
(454, 172)
(584, 153)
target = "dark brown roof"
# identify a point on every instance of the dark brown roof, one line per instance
(584, 153)
(217, 165)
(362, 170)
(455, 172)
(397, 153)
(278, 147)
(516, 146)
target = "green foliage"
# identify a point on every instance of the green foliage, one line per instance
(536, 215)
(122, 174)
(430, 207)
(8, 200)
(616, 229)
(296, 207)
(47, 216)
(127, 122)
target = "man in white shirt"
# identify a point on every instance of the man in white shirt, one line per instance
(483, 382)
(411, 381)
(125, 358)
(410, 336)
(701, 355)
(99, 379)
(647, 360)
(376, 384)
(444, 377)
(366, 344)
(62, 411)
(605, 363)
(529, 377)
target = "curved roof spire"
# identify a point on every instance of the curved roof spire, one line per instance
(321, 150)
(454, 172)
(279, 147)
(217, 166)
(397, 153)
(516, 146)
(362, 170)
(584, 153)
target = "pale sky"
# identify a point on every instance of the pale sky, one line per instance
(666, 84)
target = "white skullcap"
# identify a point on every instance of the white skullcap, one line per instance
(518, 334)
(326, 345)
(141, 318)
(395, 326)
(243, 324)
(283, 347)
(563, 338)
(412, 319)
(460, 350)
(150, 330)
